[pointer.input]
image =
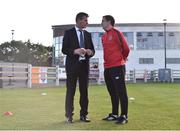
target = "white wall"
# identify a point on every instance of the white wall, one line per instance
(133, 59)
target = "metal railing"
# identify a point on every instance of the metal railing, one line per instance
(14, 74)
(24, 75)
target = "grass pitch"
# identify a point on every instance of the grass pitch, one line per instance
(156, 107)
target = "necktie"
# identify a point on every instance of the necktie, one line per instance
(81, 42)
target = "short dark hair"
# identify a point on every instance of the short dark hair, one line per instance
(80, 15)
(110, 18)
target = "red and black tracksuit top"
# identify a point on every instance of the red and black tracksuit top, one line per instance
(115, 51)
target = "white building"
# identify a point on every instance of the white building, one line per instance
(146, 41)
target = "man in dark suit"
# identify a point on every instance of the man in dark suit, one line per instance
(78, 46)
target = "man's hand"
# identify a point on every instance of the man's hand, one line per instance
(89, 52)
(80, 51)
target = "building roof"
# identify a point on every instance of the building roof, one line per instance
(58, 30)
(119, 24)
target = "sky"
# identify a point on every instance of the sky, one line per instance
(33, 19)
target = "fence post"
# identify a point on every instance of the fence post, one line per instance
(57, 75)
(100, 78)
(134, 76)
(145, 75)
(172, 78)
(154, 75)
(29, 75)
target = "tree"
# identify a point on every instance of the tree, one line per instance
(26, 52)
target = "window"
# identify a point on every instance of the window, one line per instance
(129, 36)
(57, 40)
(56, 53)
(149, 34)
(149, 41)
(146, 61)
(100, 34)
(173, 60)
(96, 38)
(141, 39)
(160, 34)
(125, 34)
(171, 34)
(57, 46)
(139, 34)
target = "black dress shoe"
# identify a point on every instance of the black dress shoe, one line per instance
(84, 119)
(69, 120)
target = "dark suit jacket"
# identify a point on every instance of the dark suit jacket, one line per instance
(70, 43)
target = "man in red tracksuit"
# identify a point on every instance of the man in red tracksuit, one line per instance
(116, 51)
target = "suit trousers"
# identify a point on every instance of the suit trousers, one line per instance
(80, 74)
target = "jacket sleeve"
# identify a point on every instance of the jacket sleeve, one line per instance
(66, 47)
(125, 47)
